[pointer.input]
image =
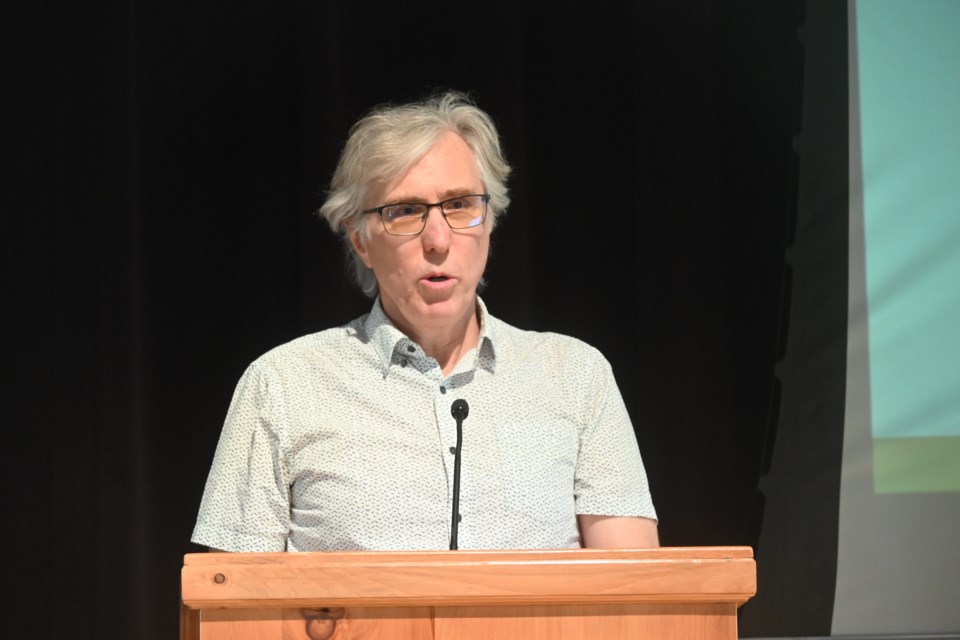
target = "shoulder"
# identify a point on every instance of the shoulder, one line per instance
(553, 350)
(572, 375)
(314, 351)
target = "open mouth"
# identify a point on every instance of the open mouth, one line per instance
(438, 278)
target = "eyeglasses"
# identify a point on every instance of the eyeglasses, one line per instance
(410, 218)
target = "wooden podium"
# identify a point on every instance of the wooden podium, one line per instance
(684, 593)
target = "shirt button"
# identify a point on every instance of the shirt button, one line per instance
(443, 389)
(403, 362)
(411, 348)
(459, 518)
(453, 450)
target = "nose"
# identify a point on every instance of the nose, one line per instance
(436, 232)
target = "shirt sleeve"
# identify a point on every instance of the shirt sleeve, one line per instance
(610, 479)
(246, 501)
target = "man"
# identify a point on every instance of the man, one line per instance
(344, 439)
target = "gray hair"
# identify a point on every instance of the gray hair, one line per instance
(389, 140)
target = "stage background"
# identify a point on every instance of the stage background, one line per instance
(164, 164)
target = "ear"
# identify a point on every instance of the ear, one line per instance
(357, 242)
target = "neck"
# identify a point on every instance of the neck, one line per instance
(448, 350)
(445, 344)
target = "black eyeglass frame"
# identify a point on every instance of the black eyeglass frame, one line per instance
(429, 206)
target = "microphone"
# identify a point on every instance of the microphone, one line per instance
(459, 410)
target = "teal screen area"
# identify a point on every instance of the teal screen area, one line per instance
(909, 86)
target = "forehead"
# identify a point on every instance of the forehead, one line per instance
(449, 166)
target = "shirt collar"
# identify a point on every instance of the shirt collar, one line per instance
(391, 344)
(486, 347)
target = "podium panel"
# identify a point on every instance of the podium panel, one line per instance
(687, 593)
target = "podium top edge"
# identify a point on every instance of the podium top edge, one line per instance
(660, 554)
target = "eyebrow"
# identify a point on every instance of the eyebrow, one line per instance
(446, 195)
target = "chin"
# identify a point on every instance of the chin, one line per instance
(450, 307)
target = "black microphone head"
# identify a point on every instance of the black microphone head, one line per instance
(460, 409)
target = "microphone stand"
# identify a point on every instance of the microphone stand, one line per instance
(459, 411)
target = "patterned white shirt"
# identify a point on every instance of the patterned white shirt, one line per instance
(343, 440)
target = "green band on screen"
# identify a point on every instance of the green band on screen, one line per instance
(916, 465)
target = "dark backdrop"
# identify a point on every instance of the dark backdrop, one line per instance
(167, 159)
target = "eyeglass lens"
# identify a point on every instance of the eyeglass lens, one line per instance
(409, 218)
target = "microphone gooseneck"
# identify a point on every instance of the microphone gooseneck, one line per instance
(459, 410)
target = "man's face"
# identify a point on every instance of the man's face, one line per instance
(428, 282)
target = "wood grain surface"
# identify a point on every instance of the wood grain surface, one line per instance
(692, 574)
(689, 593)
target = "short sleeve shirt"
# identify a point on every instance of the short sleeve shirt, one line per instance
(344, 440)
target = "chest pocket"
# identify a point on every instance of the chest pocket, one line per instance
(537, 465)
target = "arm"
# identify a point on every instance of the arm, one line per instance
(245, 505)
(612, 495)
(613, 532)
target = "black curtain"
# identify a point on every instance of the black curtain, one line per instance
(166, 161)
